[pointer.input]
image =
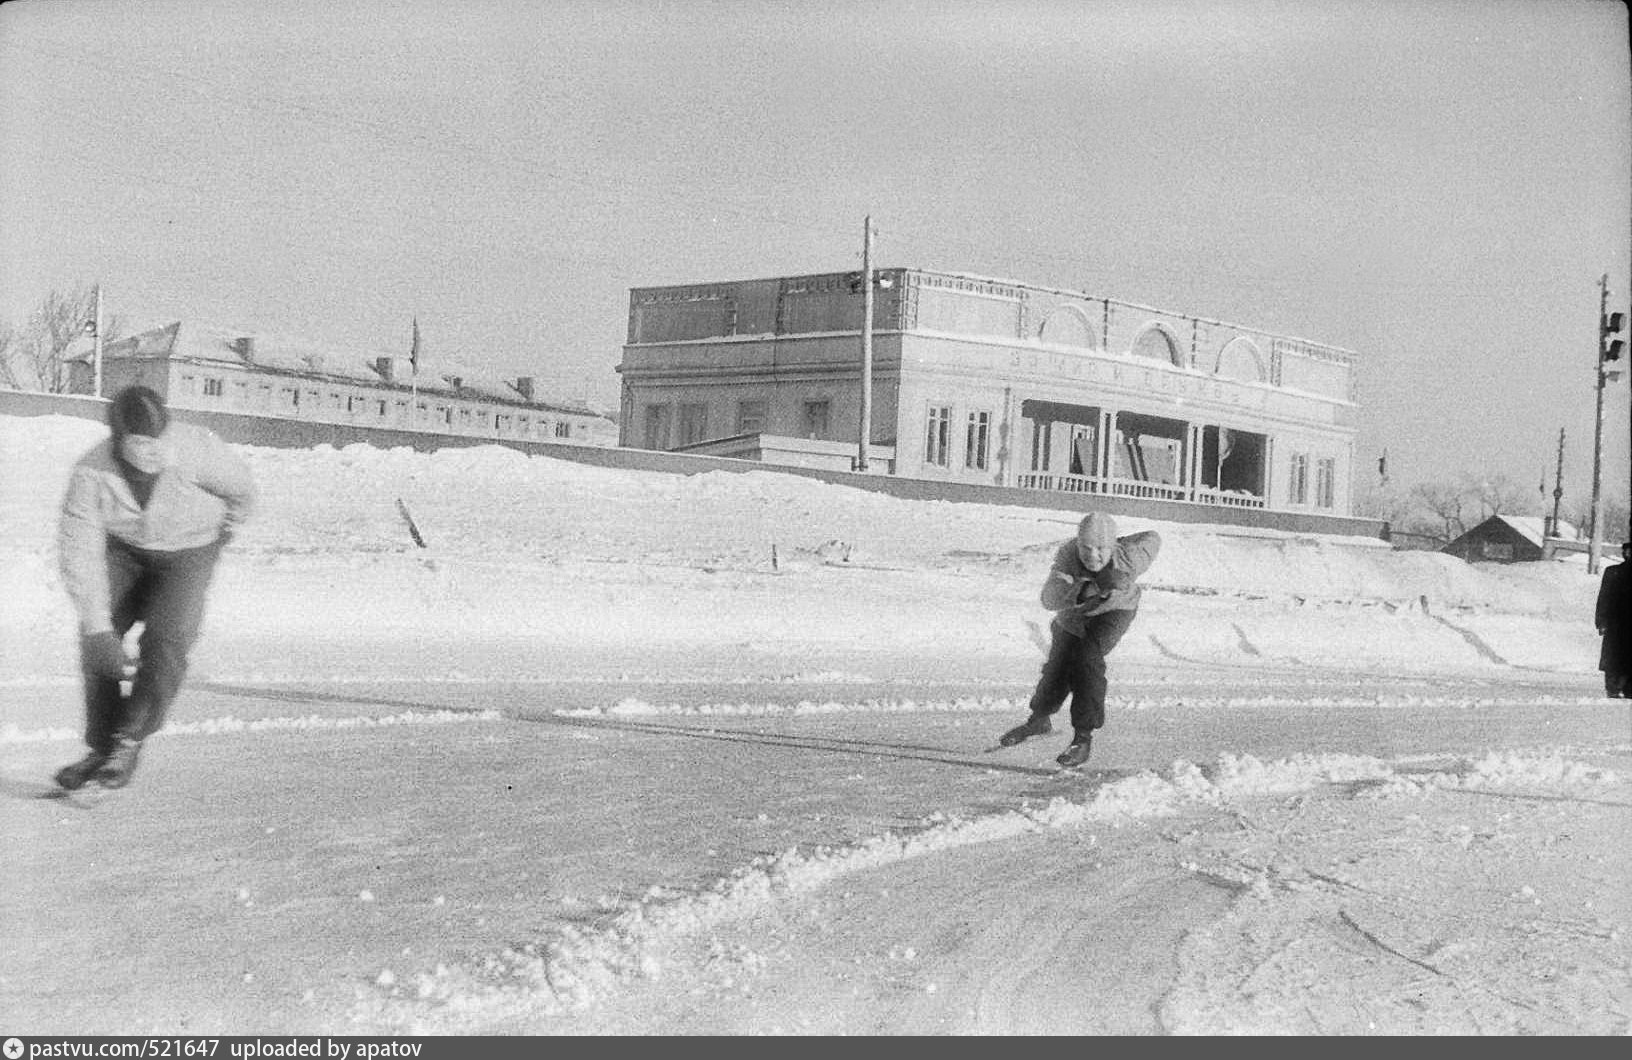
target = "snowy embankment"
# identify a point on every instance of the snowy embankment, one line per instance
(533, 557)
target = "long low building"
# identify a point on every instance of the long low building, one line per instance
(994, 382)
(220, 370)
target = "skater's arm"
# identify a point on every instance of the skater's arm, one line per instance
(82, 544)
(1063, 586)
(1136, 552)
(222, 472)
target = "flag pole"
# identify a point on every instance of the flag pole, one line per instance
(413, 361)
(97, 335)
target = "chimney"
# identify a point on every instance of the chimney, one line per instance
(454, 381)
(244, 346)
(524, 387)
(386, 366)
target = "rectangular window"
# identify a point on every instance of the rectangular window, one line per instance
(1299, 485)
(750, 417)
(816, 414)
(1325, 478)
(563, 430)
(1042, 440)
(977, 440)
(657, 427)
(937, 435)
(212, 388)
(693, 423)
(383, 404)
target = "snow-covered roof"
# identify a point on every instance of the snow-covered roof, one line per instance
(287, 355)
(1534, 528)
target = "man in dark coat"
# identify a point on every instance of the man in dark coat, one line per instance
(1093, 590)
(1613, 617)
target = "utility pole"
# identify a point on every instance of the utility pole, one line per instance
(1558, 484)
(1609, 355)
(866, 345)
(96, 333)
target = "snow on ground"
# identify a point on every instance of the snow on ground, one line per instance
(623, 751)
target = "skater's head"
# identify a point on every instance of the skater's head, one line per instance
(1626, 550)
(1096, 540)
(138, 419)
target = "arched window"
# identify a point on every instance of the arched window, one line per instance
(1241, 359)
(1156, 343)
(1068, 325)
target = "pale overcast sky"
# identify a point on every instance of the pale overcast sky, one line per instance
(1435, 184)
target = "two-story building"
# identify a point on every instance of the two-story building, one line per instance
(993, 382)
(215, 369)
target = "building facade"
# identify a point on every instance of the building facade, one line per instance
(994, 382)
(213, 369)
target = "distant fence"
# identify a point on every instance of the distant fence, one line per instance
(280, 433)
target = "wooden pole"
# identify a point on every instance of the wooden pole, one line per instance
(866, 429)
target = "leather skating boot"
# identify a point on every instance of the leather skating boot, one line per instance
(121, 764)
(74, 776)
(1075, 755)
(1036, 725)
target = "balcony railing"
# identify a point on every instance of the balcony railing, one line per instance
(1123, 487)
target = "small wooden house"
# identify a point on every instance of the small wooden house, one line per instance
(1507, 539)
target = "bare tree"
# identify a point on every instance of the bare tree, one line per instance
(35, 356)
(1616, 518)
(1446, 503)
(1612, 511)
(8, 351)
(1498, 495)
(1383, 502)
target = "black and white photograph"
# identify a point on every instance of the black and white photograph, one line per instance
(736, 518)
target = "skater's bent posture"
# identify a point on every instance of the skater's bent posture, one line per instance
(1093, 590)
(145, 516)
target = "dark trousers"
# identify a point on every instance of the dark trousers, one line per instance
(1077, 665)
(165, 592)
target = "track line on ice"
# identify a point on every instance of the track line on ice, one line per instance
(831, 744)
(11, 735)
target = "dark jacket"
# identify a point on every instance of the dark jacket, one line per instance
(1075, 593)
(1613, 617)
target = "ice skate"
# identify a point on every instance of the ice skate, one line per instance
(74, 776)
(121, 764)
(1077, 753)
(1036, 725)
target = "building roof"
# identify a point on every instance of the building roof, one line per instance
(284, 355)
(1533, 528)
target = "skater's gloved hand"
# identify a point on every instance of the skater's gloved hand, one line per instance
(103, 655)
(1089, 592)
(1112, 580)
